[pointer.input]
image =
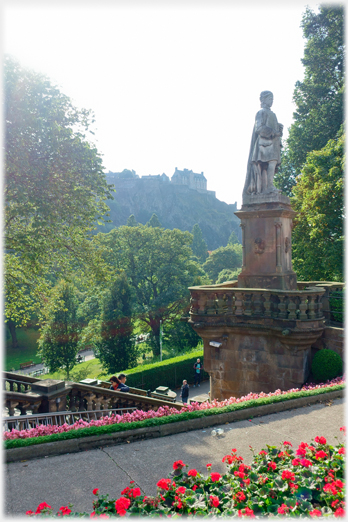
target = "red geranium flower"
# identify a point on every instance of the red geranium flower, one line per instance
(29, 512)
(320, 440)
(164, 484)
(64, 510)
(339, 512)
(306, 463)
(95, 491)
(320, 455)
(121, 505)
(272, 465)
(192, 473)
(233, 450)
(315, 513)
(342, 451)
(208, 465)
(283, 509)
(246, 512)
(263, 452)
(181, 490)
(178, 464)
(288, 475)
(194, 487)
(42, 506)
(239, 496)
(343, 428)
(135, 492)
(229, 459)
(214, 501)
(215, 477)
(287, 443)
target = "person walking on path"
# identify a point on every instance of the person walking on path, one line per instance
(198, 367)
(184, 391)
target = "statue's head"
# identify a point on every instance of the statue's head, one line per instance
(266, 98)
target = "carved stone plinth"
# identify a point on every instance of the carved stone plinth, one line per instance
(266, 222)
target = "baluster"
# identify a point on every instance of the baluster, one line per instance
(202, 299)
(194, 308)
(311, 307)
(210, 305)
(292, 307)
(303, 307)
(247, 304)
(267, 304)
(320, 306)
(282, 305)
(229, 303)
(239, 303)
(257, 304)
(221, 304)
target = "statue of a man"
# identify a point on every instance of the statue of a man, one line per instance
(264, 156)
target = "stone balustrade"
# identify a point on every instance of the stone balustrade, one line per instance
(28, 394)
(229, 301)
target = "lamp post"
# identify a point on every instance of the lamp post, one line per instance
(161, 340)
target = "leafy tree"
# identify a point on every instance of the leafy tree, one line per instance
(58, 343)
(229, 257)
(159, 269)
(131, 221)
(55, 189)
(318, 234)
(180, 337)
(116, 349)
(319, 98)
(199, 246)
(228, 275)
(154, 221)
(233, 239)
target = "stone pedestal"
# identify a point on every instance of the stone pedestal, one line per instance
(266, 222)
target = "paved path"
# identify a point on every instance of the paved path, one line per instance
(72, 478)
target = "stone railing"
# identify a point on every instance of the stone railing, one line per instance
(43, 396)
(230, 301)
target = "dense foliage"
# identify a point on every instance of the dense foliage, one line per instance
(280, 481)
(58, 343)
(159, 269)
(223, 258)
(318, 236)
(326, 364)
(199, 246)
(55, 189)
(319, 98)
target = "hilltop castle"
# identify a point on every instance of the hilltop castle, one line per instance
(185, 177)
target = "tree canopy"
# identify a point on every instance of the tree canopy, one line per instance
(199, 246)
(319, 200)
(319, 98)
(55, 188)
(223, 258)
(159, 269)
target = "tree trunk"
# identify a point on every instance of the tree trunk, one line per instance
(155, 335)
(12, 327)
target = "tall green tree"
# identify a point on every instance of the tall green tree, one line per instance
(116, 348)
(199, 246)
(58, 343)
(154, 221)
(318, 238)
(159, 269)
(223, 258)
(55, 189)
(131, 221)
(319, 98)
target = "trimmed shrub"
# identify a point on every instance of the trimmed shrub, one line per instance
(326, 365)
(170, 372)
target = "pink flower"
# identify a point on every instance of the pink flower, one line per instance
(339, 512)
(306, 463)
(215, 477)
(121, 505)
(192, 473)
(343, 428)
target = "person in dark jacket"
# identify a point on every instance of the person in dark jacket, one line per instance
(122, 386)
(198, 367)
(184, 391)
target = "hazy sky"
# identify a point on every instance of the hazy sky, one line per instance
(172, 84)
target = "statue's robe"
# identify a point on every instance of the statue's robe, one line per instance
(265, 145)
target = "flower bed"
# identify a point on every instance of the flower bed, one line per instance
(139, 418)
(280, 482)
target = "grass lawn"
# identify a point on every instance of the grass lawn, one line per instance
(26, 351)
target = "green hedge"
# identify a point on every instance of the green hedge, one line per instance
(170, 372)
(157, 421)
